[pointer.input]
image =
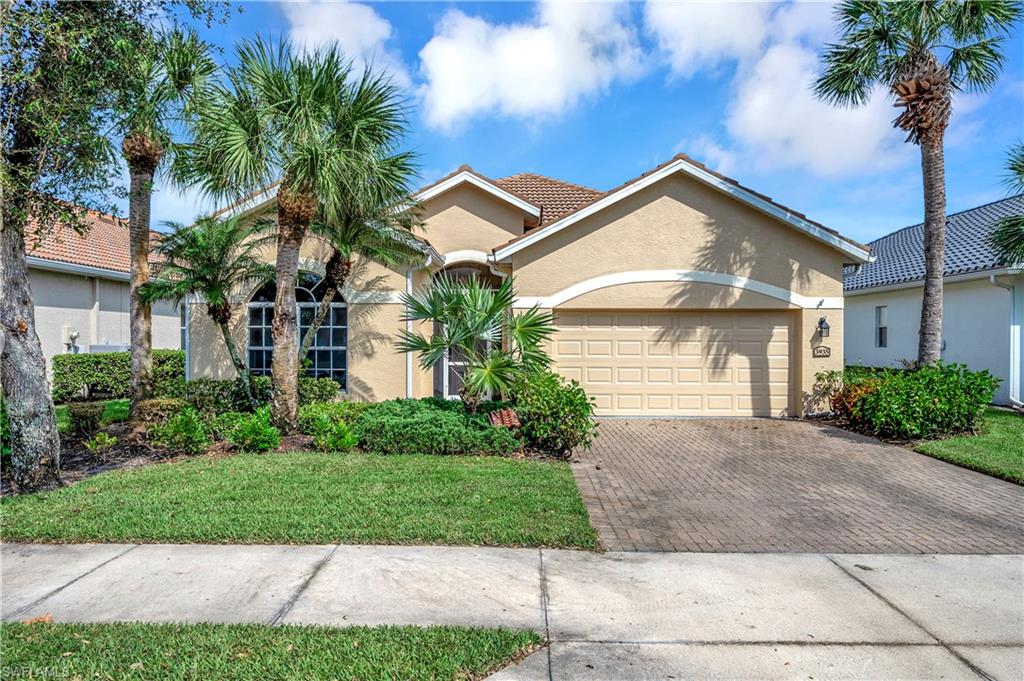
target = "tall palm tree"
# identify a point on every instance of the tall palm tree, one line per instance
(923, 52)
(306, 121)
(169, 72)
(213, 259)
(1008, 238)
(377, 224)
(477, 323)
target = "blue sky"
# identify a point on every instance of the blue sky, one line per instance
(598, 93)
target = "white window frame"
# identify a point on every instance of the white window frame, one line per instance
(338, 304)
(881, 315)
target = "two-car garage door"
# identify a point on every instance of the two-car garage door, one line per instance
(678, 363)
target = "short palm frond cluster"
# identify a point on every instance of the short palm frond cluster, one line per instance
(1008, 238)
(212, 259)
(477, 324)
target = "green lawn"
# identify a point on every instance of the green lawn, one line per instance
(116, 410)
(255, 652)
(998, 450)
(313, 498)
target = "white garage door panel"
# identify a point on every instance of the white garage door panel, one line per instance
(683, 363)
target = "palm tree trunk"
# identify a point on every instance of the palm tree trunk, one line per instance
(338, 270)
(295, 211)
(933, 173)
(236, 359)
(141, 169)
(35, 443)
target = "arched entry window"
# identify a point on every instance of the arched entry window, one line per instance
(328, 356)
(450, 372)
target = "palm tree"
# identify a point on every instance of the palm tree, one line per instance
(213, 259)
(476, 322)
(377, 224)
(923, 52)
(303, 120)
(1008, 238)
(169, 72)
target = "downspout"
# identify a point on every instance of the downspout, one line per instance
(1015, 329)
(188, 338)
(408, 329)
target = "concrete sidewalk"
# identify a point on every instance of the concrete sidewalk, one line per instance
(611, 616)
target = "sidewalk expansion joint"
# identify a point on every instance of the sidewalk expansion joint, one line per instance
(967, 663)
(27, 608)
(544, 600)
(290, 603)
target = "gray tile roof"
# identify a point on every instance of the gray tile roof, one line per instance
(899, 257)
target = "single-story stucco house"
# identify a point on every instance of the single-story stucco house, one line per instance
(680, 292)
(80, 289)
(983, 299)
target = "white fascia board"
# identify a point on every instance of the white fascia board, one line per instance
(679, 165)
(72, 268)
(679, 276)
(919, 283)
(266, 196)
(492, 189)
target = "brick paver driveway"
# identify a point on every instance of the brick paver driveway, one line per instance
(775, 485)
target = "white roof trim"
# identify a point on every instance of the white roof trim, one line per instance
(680, 276)
(919, 283)
(493, 189)
(74, 268)
(681, 165)
(268, 194)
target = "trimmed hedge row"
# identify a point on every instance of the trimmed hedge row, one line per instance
(933, 401)
(95, 375)
(215, 396)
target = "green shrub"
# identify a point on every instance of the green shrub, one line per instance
(183, 433)
(158, 410)
(431, 426)
(555, 414)
(100, 443)
(334, 436)
(316, 390)
(933, 401)
(254, 432)
(107, 374)
(85, 417)
(5, 437)
(213, 395)
(219, 426)
(311, 414)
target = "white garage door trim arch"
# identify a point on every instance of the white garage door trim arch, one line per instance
(681, 276)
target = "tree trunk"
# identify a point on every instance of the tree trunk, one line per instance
(140, 317)
(933, 173)
(295, 211)
(35, 443)
(236, 359)
(338, 270)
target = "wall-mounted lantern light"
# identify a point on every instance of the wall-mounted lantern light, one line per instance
(823, 328)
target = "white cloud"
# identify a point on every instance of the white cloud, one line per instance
(360, 32)
(705, 35)
(775, 116)
(773, 119)
(543, 67)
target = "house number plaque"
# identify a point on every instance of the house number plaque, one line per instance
(822, 351)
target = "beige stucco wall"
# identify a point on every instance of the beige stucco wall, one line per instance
(96, 308)
(680, 224)
(806, 396)
(685, 295)
(468, 218)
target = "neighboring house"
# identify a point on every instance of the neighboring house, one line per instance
(80, 290)
(983, 299)
(680, 292)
